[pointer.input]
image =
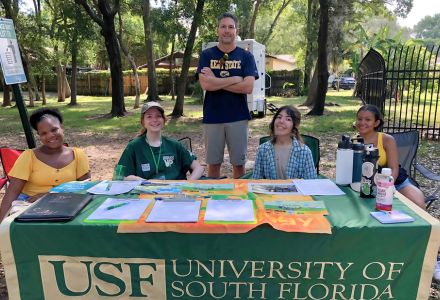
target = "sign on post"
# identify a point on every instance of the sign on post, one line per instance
(13, 72)
(10, 58)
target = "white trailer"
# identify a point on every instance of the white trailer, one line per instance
(256, 100)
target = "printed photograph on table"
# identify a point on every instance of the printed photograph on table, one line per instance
(195, 187)
(157, 189)
(73, 187)
(273, 188)
(296, 207)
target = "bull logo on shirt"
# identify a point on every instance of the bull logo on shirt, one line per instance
(224, 73)
(168, 160)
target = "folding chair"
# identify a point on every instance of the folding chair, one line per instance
(313, 144)
(186, 142)
(407, 145)
(8, 157)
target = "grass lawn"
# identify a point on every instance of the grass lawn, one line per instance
(89, 116)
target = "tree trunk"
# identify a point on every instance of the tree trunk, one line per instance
(313, 89)
(108, 31)
(60, 83)
(31, 95)
(310, 35)
(251, 33)
(6, 95)
(172, 66)
(178, 107)
(112, 46)
(73, 99)
(133, 66)
(322, 66)
(152, 81)
(43, 90)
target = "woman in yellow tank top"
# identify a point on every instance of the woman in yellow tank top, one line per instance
(368, 123)
(37, 170)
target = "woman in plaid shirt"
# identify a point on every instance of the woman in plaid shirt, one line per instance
(284, 156)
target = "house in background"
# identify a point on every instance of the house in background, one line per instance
(280, 62)
(166, 62)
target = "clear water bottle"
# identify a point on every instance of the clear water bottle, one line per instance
(344, 161)
(369, 169)
(385, 190)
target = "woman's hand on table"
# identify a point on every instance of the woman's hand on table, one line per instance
(133, 177)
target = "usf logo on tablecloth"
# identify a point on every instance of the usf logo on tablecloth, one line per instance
(85, 278)
(67, 277)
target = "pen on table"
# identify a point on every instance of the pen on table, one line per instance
(109, 185)
(183, 199)
(116, 205)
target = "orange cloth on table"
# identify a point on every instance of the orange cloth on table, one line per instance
(40, 177)
(310, 223)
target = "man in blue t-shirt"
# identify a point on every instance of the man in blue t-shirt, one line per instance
(227, 73)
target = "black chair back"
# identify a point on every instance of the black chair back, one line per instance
(407, 144)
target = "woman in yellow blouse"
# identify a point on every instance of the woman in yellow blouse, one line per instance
(37, 170)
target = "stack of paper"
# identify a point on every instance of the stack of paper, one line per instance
(318, 187)
(174, 211)
(230, 211)
(120, 209)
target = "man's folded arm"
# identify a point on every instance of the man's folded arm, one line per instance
(244, 87)
(211, 83)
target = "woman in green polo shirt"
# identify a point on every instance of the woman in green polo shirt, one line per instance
(151, 155)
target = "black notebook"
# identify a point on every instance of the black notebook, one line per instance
(56, 207)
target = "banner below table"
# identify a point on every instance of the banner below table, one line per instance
(361, 259)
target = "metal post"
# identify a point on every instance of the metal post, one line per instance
(23, 116)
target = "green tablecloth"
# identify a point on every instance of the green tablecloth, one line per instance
(361, 259)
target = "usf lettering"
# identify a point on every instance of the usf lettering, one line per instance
(67, 277)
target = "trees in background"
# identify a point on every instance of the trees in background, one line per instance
(62, 33)
(104, 15)
(428, 27)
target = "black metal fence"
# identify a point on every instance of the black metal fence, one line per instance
(405, 88)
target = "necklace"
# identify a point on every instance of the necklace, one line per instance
(156, 162)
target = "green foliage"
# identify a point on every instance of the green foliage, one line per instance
(197, 92)
(428, 27)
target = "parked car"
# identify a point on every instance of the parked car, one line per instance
(345, 83)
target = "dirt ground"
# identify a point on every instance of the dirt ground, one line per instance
(103, 152)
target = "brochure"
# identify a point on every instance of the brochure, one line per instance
(73, 186)
(297, 207)
(391, 217)
(117, 187)
(273, 188)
